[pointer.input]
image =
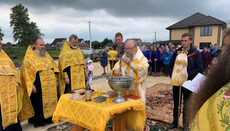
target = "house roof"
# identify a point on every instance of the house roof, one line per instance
(196, 19)
(110, 44)
(80, 40)
(83, 45)
(58, 40)
(145, 43)
(168, 41)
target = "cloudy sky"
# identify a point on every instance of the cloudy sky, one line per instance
(134, 18)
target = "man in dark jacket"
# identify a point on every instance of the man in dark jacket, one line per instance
(195, 66)
(119, 47)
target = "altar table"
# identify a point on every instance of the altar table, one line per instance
(94, 116)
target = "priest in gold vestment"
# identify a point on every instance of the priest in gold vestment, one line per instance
(39, 77)
(11, 94)
(72, 66)
(134, 64)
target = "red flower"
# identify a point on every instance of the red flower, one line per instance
(226, 94)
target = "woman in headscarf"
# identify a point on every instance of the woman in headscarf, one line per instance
(156, 61)
(104, 58)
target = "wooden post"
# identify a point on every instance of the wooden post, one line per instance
(77, 128)
(178, 120)
(119, 122)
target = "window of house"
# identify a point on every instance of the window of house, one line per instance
(206, 31)
(205, 44)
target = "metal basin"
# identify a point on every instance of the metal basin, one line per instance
(119, 85)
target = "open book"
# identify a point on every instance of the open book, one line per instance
(195, 84)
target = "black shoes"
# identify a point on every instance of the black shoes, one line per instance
(171, 126)
(103, 74)
(36, 126)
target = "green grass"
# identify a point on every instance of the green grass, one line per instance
(53, 52)
(19, 52)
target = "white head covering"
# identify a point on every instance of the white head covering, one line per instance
(89, 61)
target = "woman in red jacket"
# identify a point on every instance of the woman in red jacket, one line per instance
(206, 57)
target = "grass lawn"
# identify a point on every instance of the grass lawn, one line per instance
(17, 53)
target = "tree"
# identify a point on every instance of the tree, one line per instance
(106, 41)
(24, 31)
(87, 41)
(8, 43)
(1, 34)
(96, 44)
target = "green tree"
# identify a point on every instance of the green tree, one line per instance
(24, 31)
(8, 43)
(87, 41)
(1, 34)
(96, 44)
(106, 41)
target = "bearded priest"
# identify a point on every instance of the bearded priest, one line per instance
(39, 77)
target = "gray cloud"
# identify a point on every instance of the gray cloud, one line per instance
(126, 8)
(134, 18)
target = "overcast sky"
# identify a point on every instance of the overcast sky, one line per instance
(133, 18)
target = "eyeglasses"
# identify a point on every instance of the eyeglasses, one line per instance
(129, 48)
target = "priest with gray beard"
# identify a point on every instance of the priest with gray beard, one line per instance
(134, 64)
(41, 52)
(39, 78)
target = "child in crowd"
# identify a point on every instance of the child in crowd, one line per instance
(213, 62)
(210, 66)
(90, 71)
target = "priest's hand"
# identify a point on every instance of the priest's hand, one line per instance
(117, 72)
(67, 80)
(126, 60)
(86, 76)
(34, 90)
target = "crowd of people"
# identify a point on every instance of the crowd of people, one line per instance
(159, 56)
(34, 94)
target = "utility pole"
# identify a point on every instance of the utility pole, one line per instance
(90, 47)
(155, 36)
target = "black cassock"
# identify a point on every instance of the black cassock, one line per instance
(67, 86)
(36, 100)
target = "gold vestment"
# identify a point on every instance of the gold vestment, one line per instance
(47, 68)
(11, 101)
(73, 58)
